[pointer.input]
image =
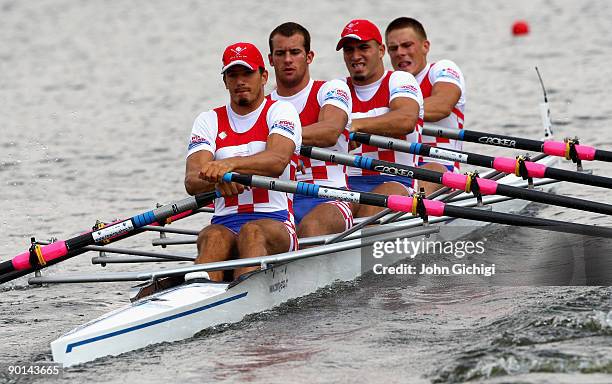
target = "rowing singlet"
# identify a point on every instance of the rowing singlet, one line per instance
(227, 134)
(443, 71)
(373, 100)
(309, 102)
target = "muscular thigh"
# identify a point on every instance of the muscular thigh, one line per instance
(323, 219)
(216, 243)
(272, 233)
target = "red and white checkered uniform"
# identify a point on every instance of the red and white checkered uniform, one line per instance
(443, 71)
(392, 85)
(308, 102)
(213, 132)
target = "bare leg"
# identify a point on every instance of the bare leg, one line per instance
(432, 187)
(389, 188)
(215, 243)
(261, 238)
(324, 219)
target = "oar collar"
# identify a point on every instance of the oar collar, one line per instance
(36, 257)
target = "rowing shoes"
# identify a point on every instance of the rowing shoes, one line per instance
(416, 205)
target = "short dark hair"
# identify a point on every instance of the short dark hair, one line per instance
(289, 29)
(406, 22)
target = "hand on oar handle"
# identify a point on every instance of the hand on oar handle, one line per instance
(229, 189)
(213, 171)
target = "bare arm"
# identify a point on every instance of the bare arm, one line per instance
(444, 97)
(193, 183)
(270, 162)
(325, 132)
(398, 122)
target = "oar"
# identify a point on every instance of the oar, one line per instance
(415, 205)
(569, 150)
(38, 257)
(518, 166)
(468, 183)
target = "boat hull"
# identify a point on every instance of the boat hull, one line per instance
(181, 312)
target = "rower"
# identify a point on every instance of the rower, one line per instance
(324, 109)
(385, 103)
(441, 83)
(251, 135)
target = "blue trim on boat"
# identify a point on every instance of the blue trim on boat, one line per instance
(71, 346)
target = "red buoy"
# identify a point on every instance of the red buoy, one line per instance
(520, 27)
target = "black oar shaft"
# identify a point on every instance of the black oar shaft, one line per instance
(602, 155)
(525, 221)
(578, 177)
(424, 150)
(485, 138)
(41, 257)
(499, 140)
(405, 204)
(438, 177)
(510, 142)
(372, 164)
(478, 159)
(552, 199)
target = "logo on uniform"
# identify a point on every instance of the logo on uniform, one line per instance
(285, 125)
(449, 72)
(406, 88)
(222, 135)
(337, 94)
(196, 141)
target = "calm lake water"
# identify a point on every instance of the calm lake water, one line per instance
(97, 100)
